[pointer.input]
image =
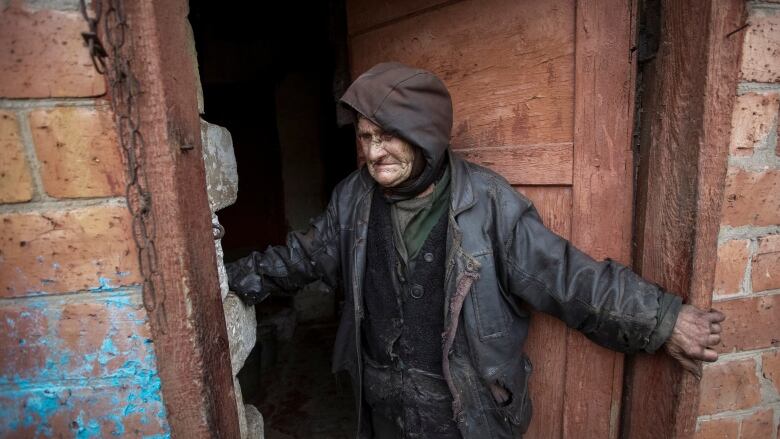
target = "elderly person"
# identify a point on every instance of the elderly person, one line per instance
(441, 260)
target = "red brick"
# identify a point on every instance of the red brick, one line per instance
(751, 323)
(15, 179)
(22, 334)
(754, 118)
(771, 368)
(730, 269)
(83, 327)
(766, 264)
(730, 385)
(125, 409)
(724, 428)
(752, 198)
(62, 251)
(42, 55)
(75, 339)
(78, 152)
(758, 425)
(761, 50)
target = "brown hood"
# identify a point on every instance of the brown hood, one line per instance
(414, 105)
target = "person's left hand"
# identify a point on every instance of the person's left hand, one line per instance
(695, 332)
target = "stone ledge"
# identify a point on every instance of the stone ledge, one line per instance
(241, 330)
(254, 422)
(221, 167)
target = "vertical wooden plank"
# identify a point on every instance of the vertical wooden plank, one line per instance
(723, 56)
(666, 188)
(546, 344)
(682, 171)
(602, 196)
(190, 337)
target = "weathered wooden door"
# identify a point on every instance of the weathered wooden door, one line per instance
(543, 94)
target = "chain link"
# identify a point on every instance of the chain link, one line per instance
(125, 93)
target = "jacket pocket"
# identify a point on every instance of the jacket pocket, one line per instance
(519, 409)
(491, 312)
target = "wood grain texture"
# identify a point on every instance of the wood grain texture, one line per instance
(363, 15)
(546, 344)
(508, 64)
(680, 190)
(723, 56)
(666, 186)
(188, 324)
(602, 196)
(549, 164)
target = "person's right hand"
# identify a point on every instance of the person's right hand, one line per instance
(693, 336)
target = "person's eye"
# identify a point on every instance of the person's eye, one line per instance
(387, 137)
(364, 137)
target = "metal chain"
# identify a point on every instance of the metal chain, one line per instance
(125, 93)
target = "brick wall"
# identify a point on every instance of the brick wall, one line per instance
(740, 394)
(77, 355)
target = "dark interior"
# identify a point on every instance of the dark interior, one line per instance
(271, 74)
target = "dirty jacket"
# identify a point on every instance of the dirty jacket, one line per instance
(501, 263)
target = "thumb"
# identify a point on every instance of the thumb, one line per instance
(689, 364)
(692, 366)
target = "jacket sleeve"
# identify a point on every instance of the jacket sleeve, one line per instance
(307, 256)
(606, 301)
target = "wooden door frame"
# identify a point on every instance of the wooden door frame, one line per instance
(192, 349)
(187, 323)
(690, 89)
(602, 195)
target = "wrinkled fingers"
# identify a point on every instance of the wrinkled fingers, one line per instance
(715, 316)
(707, 355)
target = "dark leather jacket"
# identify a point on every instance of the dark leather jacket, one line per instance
(501, 260)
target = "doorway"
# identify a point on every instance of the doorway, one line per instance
(528, 103)
(271, 74)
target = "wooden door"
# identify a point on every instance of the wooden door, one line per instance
(543, 94)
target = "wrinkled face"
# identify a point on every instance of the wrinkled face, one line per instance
(389, 159)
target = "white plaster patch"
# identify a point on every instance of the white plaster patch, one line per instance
(221, 166)
(254, 422)
(241, 330)
(223, 279)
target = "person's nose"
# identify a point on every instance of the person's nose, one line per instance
(376, 150)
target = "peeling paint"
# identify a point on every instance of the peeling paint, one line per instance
(83, 387)
(105, 285)
(86, 430)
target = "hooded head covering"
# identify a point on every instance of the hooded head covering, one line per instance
(412, 104)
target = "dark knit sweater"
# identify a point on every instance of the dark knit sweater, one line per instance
(403, 383)
(405, 311)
